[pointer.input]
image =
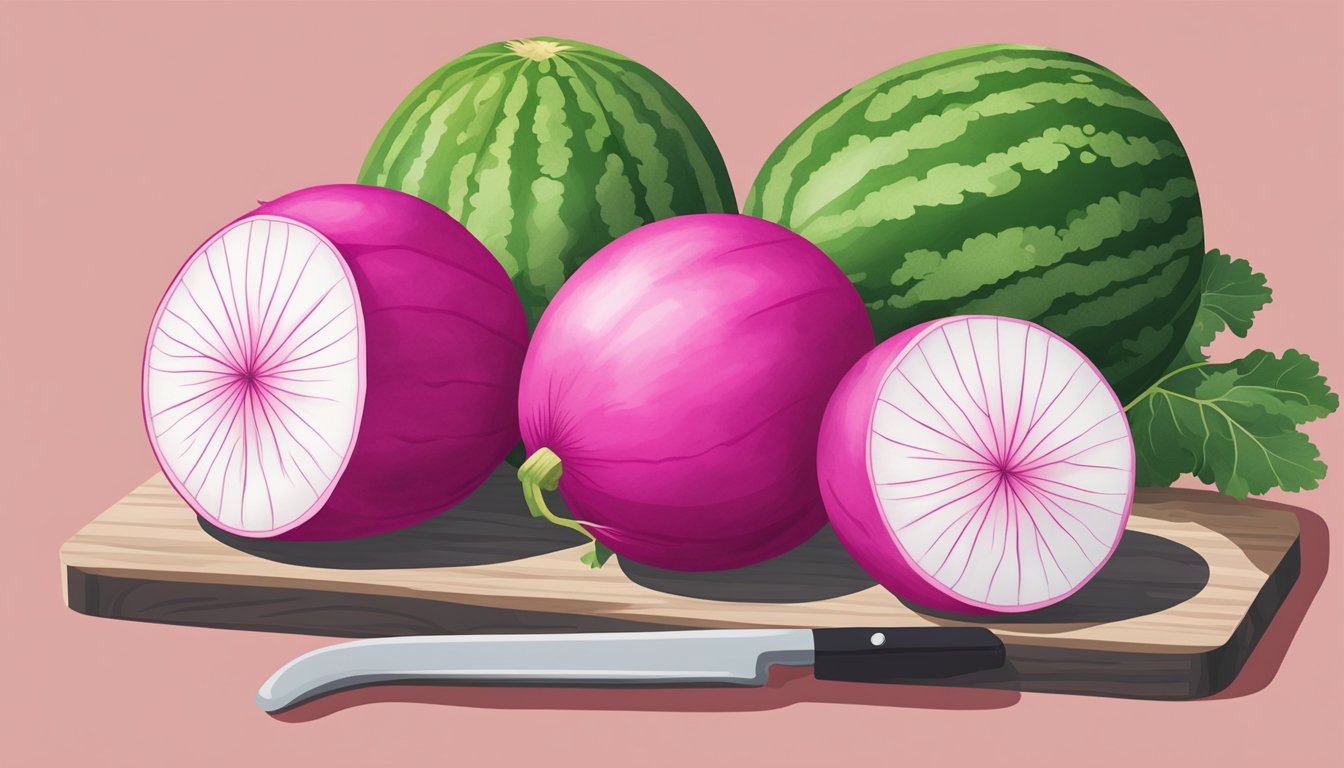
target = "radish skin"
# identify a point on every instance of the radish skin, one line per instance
(977, 465)
(674, 389)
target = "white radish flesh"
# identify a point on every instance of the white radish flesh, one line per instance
(253, 384)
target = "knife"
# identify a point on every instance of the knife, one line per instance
(676, 657)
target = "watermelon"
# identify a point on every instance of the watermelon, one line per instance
(1003, 180)
(547, 150)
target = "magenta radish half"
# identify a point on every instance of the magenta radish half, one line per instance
(342, 361)
(674, 389)
(977, 465)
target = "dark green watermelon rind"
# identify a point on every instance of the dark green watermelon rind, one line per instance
(1099, 234)
(548, 161)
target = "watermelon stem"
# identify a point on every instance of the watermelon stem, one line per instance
(541, 472)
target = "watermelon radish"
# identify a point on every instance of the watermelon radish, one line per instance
(342, 361)
(977, 464)
(547, 150)
(674, 390)
(1003, 180)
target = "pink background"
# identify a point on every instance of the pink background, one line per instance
(132, 131)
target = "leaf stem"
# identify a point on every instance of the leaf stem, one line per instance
(1157, 384)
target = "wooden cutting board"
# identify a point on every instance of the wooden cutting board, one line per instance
(1173, 615)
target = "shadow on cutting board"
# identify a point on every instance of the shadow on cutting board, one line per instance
(1147, 574)
(491, 525)
(818, 569)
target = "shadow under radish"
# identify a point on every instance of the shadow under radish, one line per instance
(818, 569)
(492, 525)
(1147, 574)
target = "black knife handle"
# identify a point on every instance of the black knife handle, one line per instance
(889, 655)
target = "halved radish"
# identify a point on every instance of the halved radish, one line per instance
(342, 361)
(977, 464)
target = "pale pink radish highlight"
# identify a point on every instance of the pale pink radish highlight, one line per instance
(977, 465)
(342, 361)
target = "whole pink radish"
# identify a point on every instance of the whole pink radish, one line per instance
(342, 361)
(977, 465)
(674, 389)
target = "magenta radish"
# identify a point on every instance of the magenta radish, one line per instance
(977, 465)
(342, 361)
(674, 390)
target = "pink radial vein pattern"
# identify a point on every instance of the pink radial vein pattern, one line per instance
(252, 386)
(1002, 462)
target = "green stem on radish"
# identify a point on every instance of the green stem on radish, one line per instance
(541, 472)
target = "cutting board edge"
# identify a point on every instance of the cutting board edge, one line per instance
(1087, 667)
(1213, 669)
(1263, 607)
(1230, 658)
(70, 556)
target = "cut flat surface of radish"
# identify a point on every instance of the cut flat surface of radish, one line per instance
(253, 383)
(977, 464)
(342, 361)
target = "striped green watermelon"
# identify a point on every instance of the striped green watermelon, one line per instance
(1003, 180)
(547, 150)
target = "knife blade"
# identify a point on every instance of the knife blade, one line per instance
(740, 657)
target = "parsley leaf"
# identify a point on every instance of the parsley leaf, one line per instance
(1230, 295)
(1233, 425)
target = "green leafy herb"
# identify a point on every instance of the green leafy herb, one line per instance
(1230, 295)
(1233, 425)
